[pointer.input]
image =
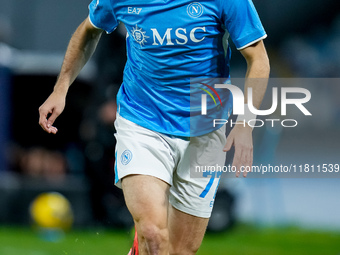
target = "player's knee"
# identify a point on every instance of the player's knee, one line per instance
(155, 234)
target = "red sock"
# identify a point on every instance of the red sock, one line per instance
(134, 249)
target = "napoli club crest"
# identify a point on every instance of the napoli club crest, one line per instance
(126, 157)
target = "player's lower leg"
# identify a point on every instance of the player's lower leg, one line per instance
(147, 200)
(186, 232)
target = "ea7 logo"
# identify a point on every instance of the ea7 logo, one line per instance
(134, 10)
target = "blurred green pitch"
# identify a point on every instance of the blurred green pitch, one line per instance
(242, 240)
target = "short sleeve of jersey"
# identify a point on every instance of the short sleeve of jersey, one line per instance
(242, 22)
(101, 15)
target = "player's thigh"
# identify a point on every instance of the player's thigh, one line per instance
(140, 151)
(193, 191)
(186, 231)
(147, 199)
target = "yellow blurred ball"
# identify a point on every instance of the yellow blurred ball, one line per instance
(51, 210)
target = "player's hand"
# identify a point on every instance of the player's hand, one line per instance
(241, 138)
(50, 110)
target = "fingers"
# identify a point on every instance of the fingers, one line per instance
(52, 129)
(45, 123)
(243, 160)
(52, 118)
(50, 122)
(42, 119)
(54, 105)
(248, 162)
(237, 161)
(243, 157)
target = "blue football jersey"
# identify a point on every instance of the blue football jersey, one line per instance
(168, 43)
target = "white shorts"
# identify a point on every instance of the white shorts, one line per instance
(173, 160)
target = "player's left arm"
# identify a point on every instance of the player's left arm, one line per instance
(256, 77)
(258, 69)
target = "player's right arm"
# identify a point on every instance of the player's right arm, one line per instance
(81, 47)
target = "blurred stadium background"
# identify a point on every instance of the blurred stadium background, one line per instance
(252, 216)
